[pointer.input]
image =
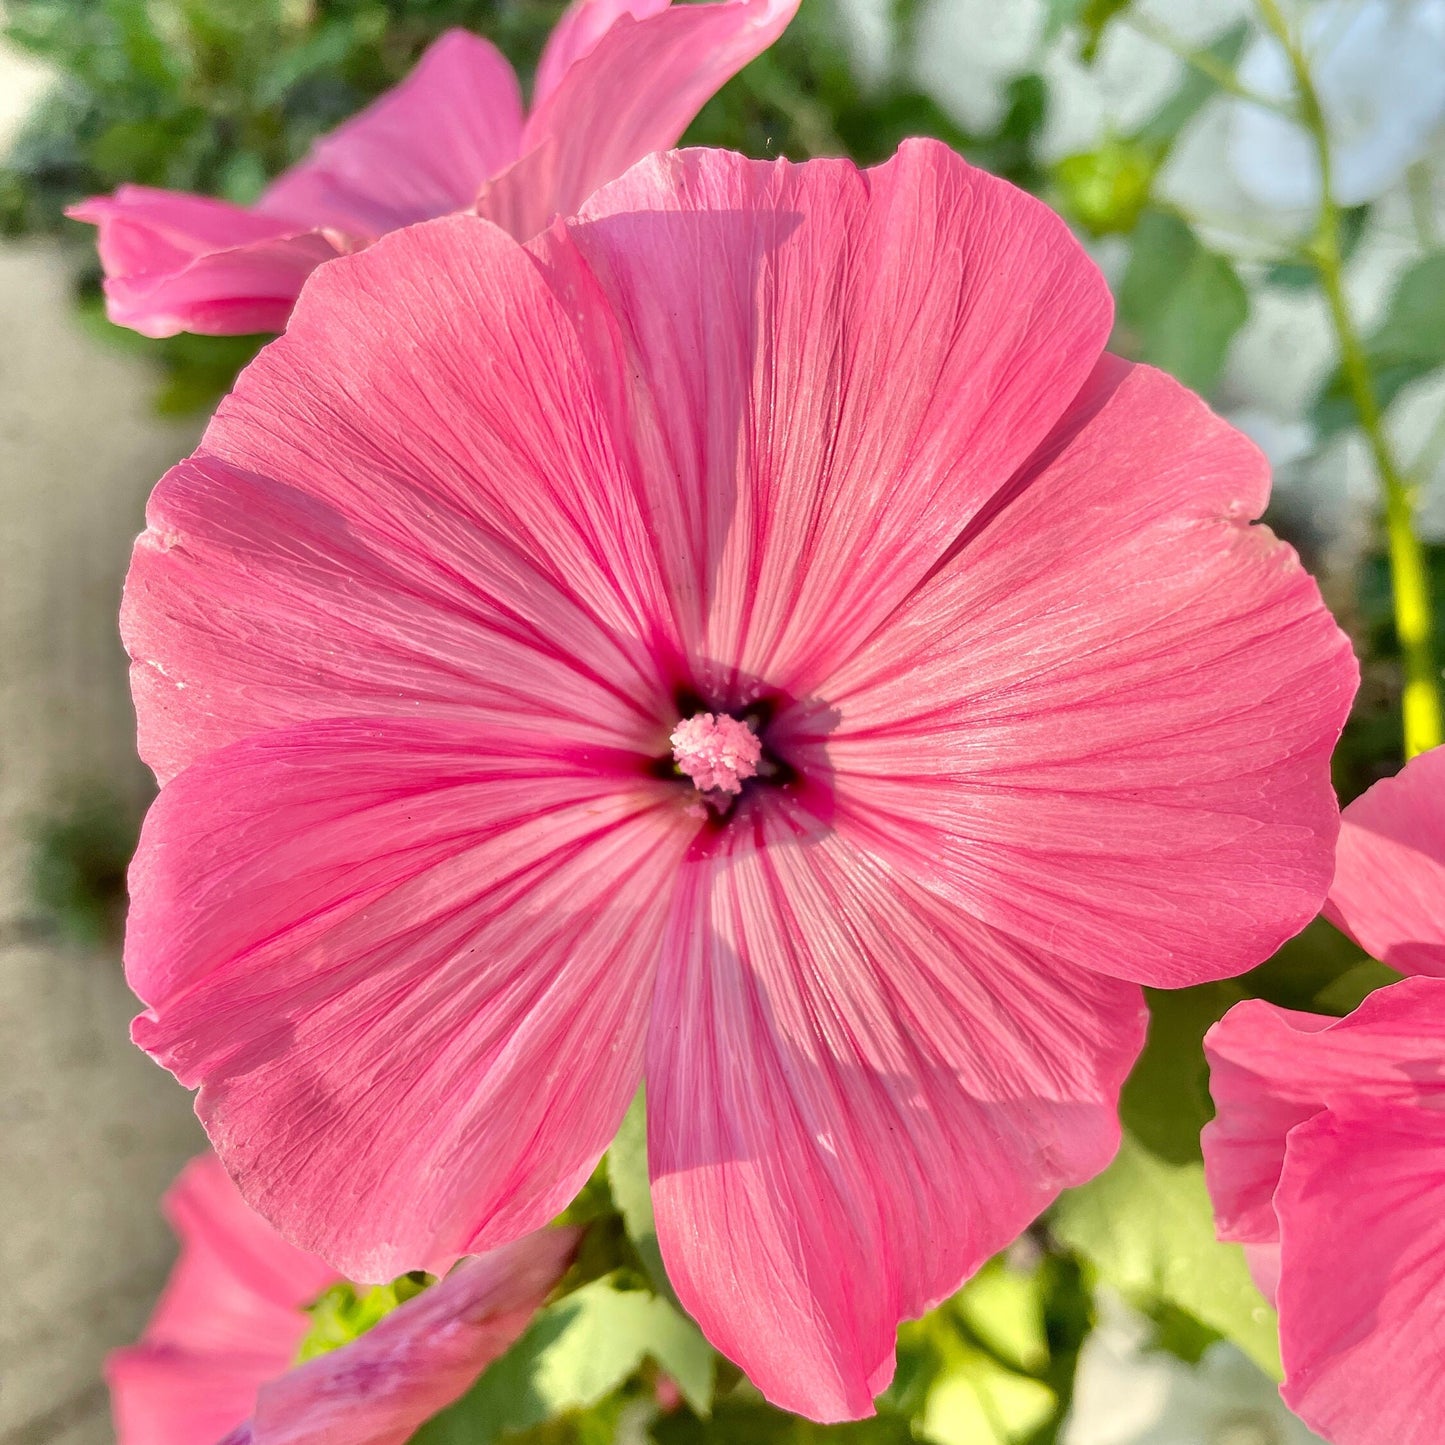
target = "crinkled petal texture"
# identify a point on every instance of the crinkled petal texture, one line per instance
(176, 262)
(1104, 727)
(1327, 1159)
(423, 149)
(620, 79)
(1389, 886)
(416, 1360)
(230, 1318)
(857, 1094)
(422, 896)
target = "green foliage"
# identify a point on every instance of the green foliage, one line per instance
(346, 1311)
(1180, 304)
(632, 1189)
(78, 858)
(1408, 344)
(214, 95)
(1147, 1227)
(577, 1352)
(1106, 190)
(1092, 17)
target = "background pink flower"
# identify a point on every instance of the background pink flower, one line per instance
(1327, 1158)
(618, 79)
(836, 457)
(219, 1353)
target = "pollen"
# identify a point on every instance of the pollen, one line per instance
(716, 751)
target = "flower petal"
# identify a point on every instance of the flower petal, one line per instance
(1362, 1273)
(577, 33)
(856, 1095)
(634, 91)
(1272, 1068)
(419, 1358)
(412, 499)
(237, 1285)
(836, 371)
(177, 262)
(424, 149)
(1104, 727)
(167, 1395)
(230, 1318)
(376, 947)
(1389, 888)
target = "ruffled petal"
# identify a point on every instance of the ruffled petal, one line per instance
(1272, 1068)
(856, 1095)
(375, 947)
(415, 1361)
(1260, 1094)
(175, 262)
(631, 91)
(1389, 887)
(413, 500)
(1362, 1272)
(1105, 726)
(424, 149)
(229, 1320)
(834, 371)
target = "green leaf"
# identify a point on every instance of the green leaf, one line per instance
(1180, 304)
(1413, 331)
(1092, 17)
(1095, 17)
(1320, 971)
(977, 1401)
(1059, 15)
(1408, 344)
(576, 1352)
(1165, 1101)
(632, 1192)
(1162, 129)
(1003, 1309)
(1147, 1226)
(749, 1422)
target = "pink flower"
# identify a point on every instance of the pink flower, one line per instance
(837, 457)
(1327, 1158)
(219, 1353)
(617, 80)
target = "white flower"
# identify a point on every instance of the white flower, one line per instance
(1126, 1394)
(1379, 69)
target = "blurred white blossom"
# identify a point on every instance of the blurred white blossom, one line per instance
(1127, 1394)
(1379, 69)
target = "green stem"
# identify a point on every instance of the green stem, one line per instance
(1200, 59)
(1414, 612)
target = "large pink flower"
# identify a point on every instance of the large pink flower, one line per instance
(219, 1353)
(750, 637)
(617, 80)
(1327, 1158)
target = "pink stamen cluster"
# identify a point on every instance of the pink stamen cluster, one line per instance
(716, 751)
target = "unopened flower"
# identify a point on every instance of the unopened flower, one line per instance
(226, 1355)
(422, 636)
(618, 79)
(1327, 1157)
(1378, 67)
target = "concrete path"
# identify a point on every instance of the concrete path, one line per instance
(91, 1130)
